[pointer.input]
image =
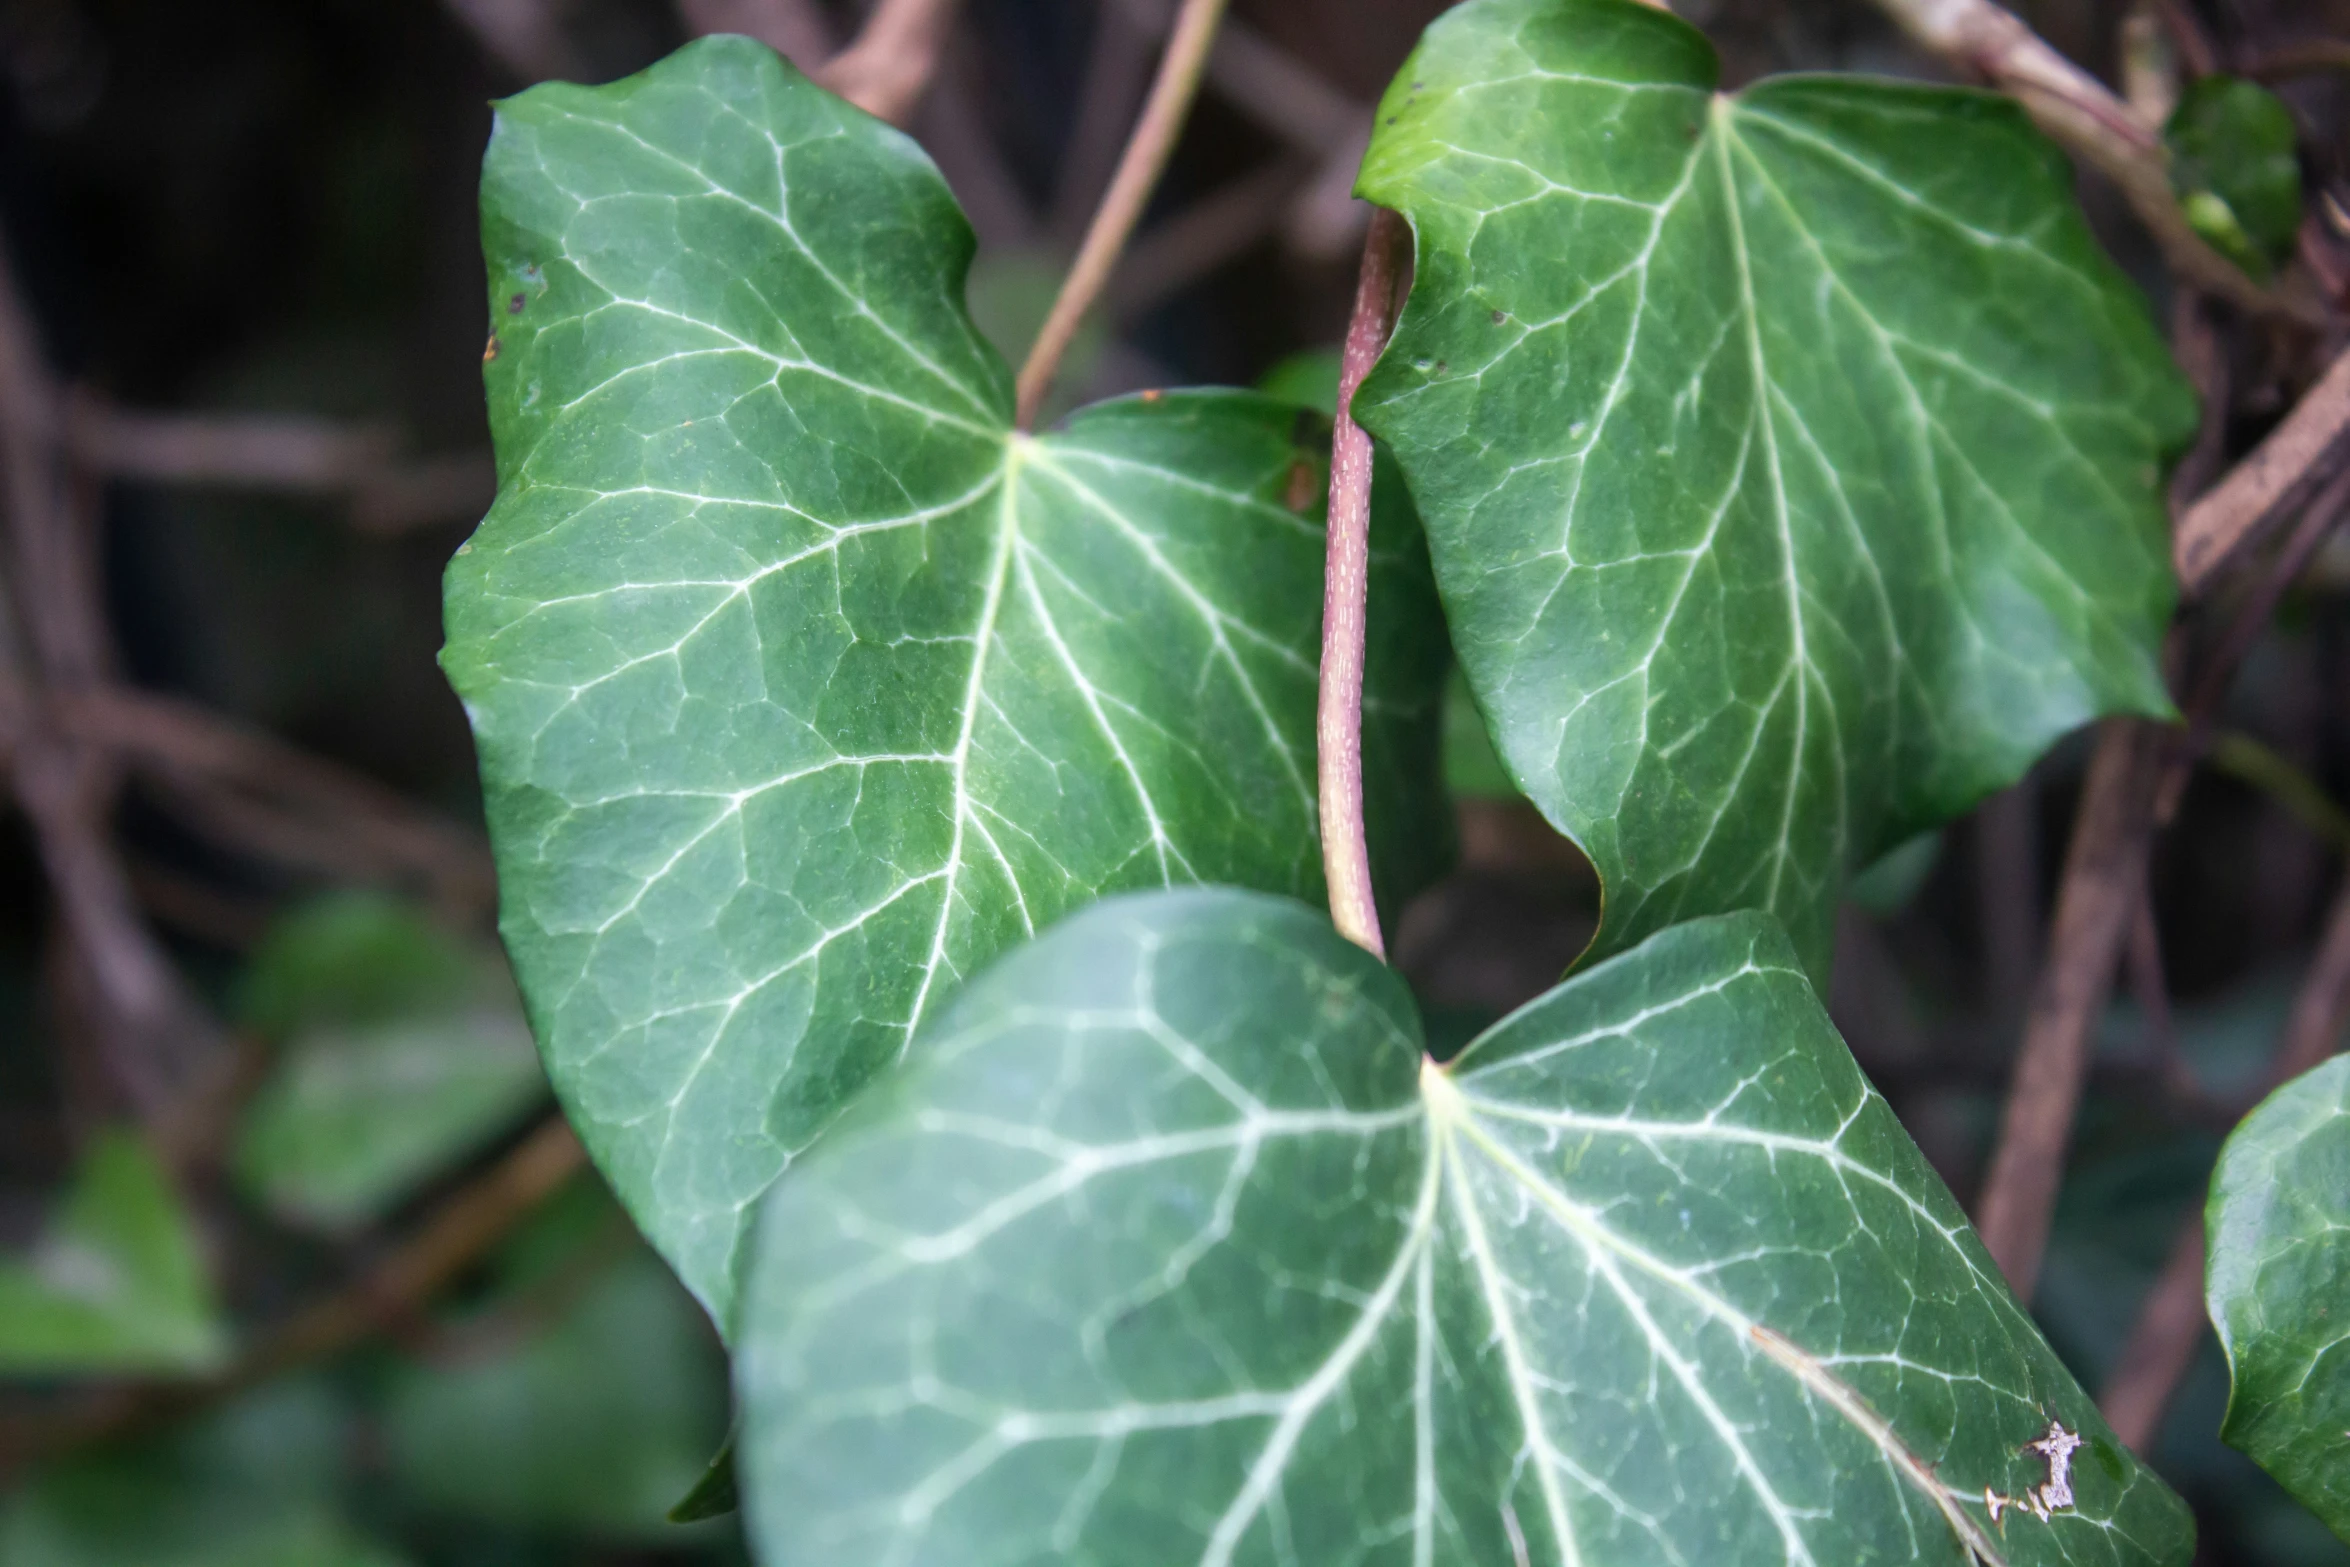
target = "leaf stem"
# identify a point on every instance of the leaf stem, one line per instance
(1180, 69)
(1338, 728)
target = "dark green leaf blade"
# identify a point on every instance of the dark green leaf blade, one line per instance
(2278, 1286)
(1788, 460)
(802, 684)
(1168, 1247)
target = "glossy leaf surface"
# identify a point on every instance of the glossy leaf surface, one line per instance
(2279, 1287)
(802, 684)
(1788, 459)
(116, 1282)
(1168, 1246)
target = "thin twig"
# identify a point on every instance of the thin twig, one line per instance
(2285, 470)
(886, 71)
(2104, 871)
(2301, 59)
(479, 1215)
(1338, 727)
(1130, 189)
(2077, 111)
(2171, 1321)
(2259, 766)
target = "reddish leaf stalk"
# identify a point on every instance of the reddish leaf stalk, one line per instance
(1338, 730)
(1130, 189)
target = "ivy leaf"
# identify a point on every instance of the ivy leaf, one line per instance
(1788, 459)
(2234, 163)
(2278, 1286)
(1170, 1245)
(117, 1282)
(802, 684)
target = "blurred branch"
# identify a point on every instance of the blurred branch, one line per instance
(2171, 1320)
(473, 1220)
(2300, 59)
(155, 1039)
(1205, 235)
(887, 69)
(524, 36)
(1294, 101)
(1145, 158)
(2104, 875)
(2297, 459)
(280, 801)
(2080, 114)
(795, 29)
(299, 455)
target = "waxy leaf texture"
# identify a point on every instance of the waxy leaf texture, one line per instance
(1170, 1245)
(1789, 459)
(803, 684)
(2278, 1284)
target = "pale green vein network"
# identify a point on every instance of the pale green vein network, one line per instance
(803, 685)
(1790, 459)
(1170, 1249)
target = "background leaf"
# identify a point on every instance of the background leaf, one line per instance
(401, 1051)
(2279, 1286)
(584, 1396)
(1168, 1245)
(1788, 459)
(802, 684)
(2234, 162)
(255, 1484)
(117, 1281)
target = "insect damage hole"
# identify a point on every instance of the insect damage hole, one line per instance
(2056, 1447)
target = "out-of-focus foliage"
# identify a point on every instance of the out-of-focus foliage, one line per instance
(117, 1280)
(402, 1049)
(2237, 173)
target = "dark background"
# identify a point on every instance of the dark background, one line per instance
(248, 210)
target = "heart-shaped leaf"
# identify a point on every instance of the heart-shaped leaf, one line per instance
(2279, 1287)
(1788, 459)
(1170, 1245)
(803, 684)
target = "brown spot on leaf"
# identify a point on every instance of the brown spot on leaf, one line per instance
(491, 352)
(514, 305)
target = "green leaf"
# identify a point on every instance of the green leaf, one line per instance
(1788, 459)
(802, 684)
(594, 1424)
(403, 1052)
(1170, 1245)
(2236, 170)
(117, 1282)
(2279, 1287)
